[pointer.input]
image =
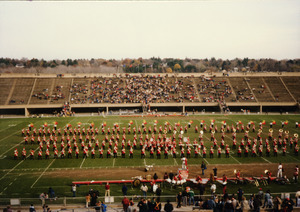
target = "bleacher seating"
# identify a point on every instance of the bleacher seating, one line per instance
(80, 91)
(5, 87)
(242, 91)
(22, 91)
(61, 91)
(292, 84)
(277, 88)
(147, 89)
(260, 89)
(42, 91)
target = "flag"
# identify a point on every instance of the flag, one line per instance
(274, 122)
(240, 122)
(92, 124)
(224, 122)
(55, 123)
(264, 122)
(31, 124)
(69, 125)
(104, 124)
(144, 121)
(130, 122)
(251, 122)
(155, 121)
(177, 124)
(167, 123)
(212, 121)
(45, 124)
(79, 123)
(202, 121)
(191, 122)
(286, 122)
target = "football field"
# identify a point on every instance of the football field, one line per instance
(29, 178)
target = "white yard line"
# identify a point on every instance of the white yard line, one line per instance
(10, 149)
(293, 157)
(266, 160)
(235, 159)
(145, 162)
(10, 135)
(206, 161)
(11, 170)
(114, 161)
(15, 167)
(175, 162)
(42, 173)
(82, 163)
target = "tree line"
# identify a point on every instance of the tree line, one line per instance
(169, 65)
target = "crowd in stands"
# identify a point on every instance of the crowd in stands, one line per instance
(149, 89)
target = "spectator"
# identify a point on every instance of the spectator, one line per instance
(185, 196)
(125, 203)
(203, 167)
(240, 193)
(256, 204)
(267, 197)
(98, 206)
(157, 206)
(124, 189)
(107, 189)
(31, 208)
(297, 198)
(260, 194)
(245, 204)
(131, 204)
(179, 199)
(235, 203)
(74, 190)
(144, 189)
(51, 192)
(87, 200)
(94, 198)
(201, 189)
(168, 206)
(277, 204)
(211, 203)
(151, 204)
(213, 189)
(191, 194)
(155, 177)
(158, 191)
(288, 205)
(142, 205)
(43, 197)
(103, 207)
(228, 206)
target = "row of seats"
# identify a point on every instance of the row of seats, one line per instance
(148, 89)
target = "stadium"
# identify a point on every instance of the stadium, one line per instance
(85, 131)
(113, 106)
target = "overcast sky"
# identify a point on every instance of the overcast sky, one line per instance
(132, 29)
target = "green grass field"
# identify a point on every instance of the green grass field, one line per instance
(29, 178)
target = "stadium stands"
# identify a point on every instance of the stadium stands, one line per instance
(241, 89)
(132, 91)
(6, 85)
(278, 89)
(21, 91)
(260, 90)
(292, 83)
